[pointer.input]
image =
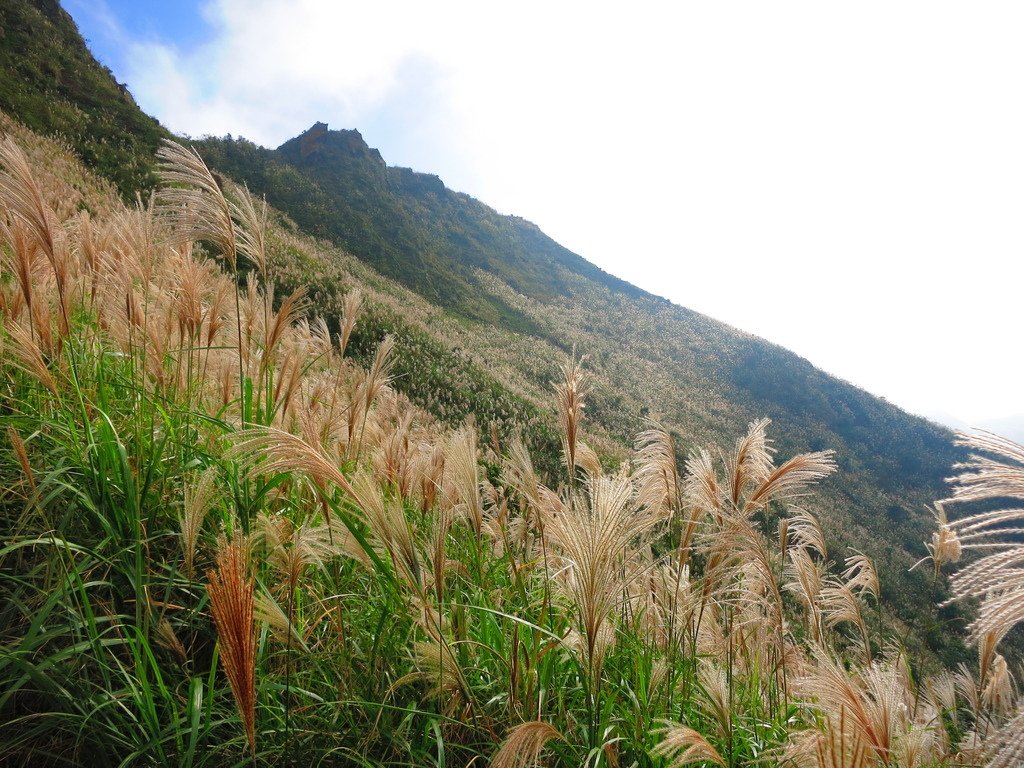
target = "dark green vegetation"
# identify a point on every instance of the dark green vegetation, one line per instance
(52, 84)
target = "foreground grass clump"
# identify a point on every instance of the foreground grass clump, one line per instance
(224, 542)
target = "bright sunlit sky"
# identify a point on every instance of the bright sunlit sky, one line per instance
(844, 179)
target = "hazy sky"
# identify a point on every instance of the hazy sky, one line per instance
(844, 179)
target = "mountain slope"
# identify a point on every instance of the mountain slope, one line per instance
(531, 301)
(52, 84)
(486, 307)
(126, 466)
(407, 225)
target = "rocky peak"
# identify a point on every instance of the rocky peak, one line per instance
(319, 138)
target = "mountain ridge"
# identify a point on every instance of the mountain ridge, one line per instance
(423, 183)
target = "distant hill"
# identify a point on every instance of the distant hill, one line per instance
(486, 307)
(407, 225)
(1011, 426)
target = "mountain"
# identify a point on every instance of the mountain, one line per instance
(486, 307)
(407, 225)
(1011, 426)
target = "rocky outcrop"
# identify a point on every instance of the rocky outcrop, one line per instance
(308, 140)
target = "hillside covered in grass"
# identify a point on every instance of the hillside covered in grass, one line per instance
(227, 541)
(52, 83)
(524, 302)
(484, 309)
(471, 497)
(407, 225)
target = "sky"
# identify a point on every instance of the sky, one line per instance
(843, 179)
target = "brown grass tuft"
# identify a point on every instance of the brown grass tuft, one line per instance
(165, 636)
(231, 602)
(28, 356)
(23, 198)
(21, 452)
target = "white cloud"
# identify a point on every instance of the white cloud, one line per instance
(846, 180)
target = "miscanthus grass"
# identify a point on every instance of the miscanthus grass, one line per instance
(226, 543)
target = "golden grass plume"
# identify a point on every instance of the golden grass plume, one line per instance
(230, 586)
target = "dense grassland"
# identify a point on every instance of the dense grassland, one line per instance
(484, 307)
(276, 500)
(228, 539)
(525, 302)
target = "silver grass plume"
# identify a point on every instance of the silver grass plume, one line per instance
(461, 484)
(251, 234)
(267, 610)
(682, 745)
(587, 459)
(524, 744)
(571, 393)
(945, 546)
(657, 475)
(805, 531)
(592, 539)
(874, 704)
(995, 472)
(803, 577)
(350, 314)
(193, 202)
(750, 462)
(199, 499)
